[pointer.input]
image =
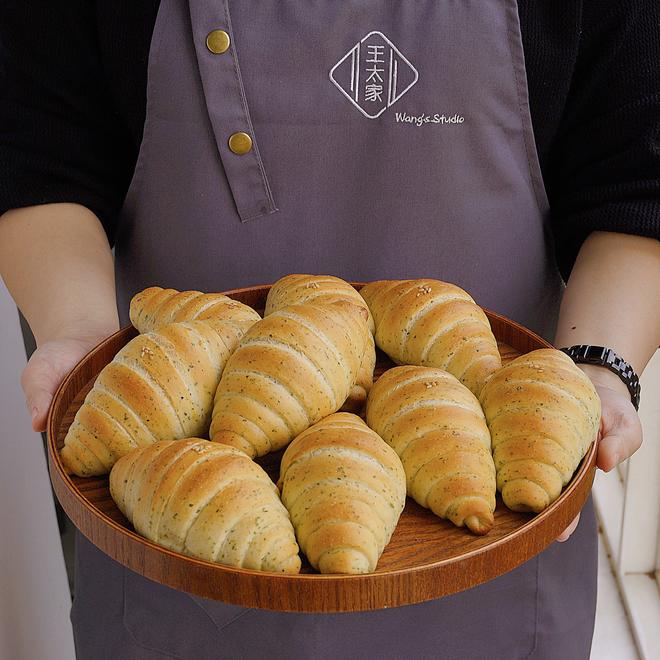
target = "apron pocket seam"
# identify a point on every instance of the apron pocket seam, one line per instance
(536, 608)
(226, 624)
(136, 641)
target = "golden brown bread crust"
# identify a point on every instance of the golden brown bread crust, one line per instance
(208, 501)
(345, 490)
(437, 428)
(434, 324)
(290, 370)
(543, 413)
(154, 307)
(160, 386)
(357, 397)
(301, 289)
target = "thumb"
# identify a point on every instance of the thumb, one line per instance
(614, 448)
(621, 429)
(38, 403)
(46, 369)
(40, 378)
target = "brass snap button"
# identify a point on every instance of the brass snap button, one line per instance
(218, 41)
(240, 143)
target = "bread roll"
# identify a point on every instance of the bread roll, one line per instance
(289, 371)
(345, 490)
(543, 413)
(299, 289)
(154, 307)
(433, 324)
(160, 386)
(436, 426)
(208, 501)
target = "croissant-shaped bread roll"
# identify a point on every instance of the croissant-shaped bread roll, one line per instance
(543, 413)
(160, 386)
(208, 501)
(299, 289)
(433, 324)
(155, 307)
(345, 490)
(291, 369)
(436, 426)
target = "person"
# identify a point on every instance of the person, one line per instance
(223, 144)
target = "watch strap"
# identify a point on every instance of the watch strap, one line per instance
(605, 357)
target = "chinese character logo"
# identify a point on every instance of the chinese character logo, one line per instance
(373, 75)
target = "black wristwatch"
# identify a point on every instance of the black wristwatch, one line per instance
(606, 357)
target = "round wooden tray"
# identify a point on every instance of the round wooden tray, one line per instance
(427, 557)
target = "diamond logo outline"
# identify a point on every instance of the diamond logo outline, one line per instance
(355, 51)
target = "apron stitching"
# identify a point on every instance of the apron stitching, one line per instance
(259, 214)
(135, 186)
(132, 636)
(227, 623)
(522, 113)
(536, 607)
(246, 115)
(533, 164)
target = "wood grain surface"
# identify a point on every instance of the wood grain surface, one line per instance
(427, 557)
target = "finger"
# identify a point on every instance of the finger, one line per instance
(564, 536)
(618, 446)
(37, 404)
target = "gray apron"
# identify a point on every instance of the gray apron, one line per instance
(389, 140)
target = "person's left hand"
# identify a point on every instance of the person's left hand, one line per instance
(620, 433)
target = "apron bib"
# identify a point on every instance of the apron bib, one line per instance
(386, 140)
(444, 182)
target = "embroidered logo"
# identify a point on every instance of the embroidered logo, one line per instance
(373, 75)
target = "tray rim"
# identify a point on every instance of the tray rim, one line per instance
(65, 489)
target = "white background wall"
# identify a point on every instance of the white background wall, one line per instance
(34, 592)
(628, 507)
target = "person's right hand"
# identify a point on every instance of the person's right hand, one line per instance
(47, 368)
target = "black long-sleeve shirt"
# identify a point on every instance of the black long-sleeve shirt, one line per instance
(73, 98)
